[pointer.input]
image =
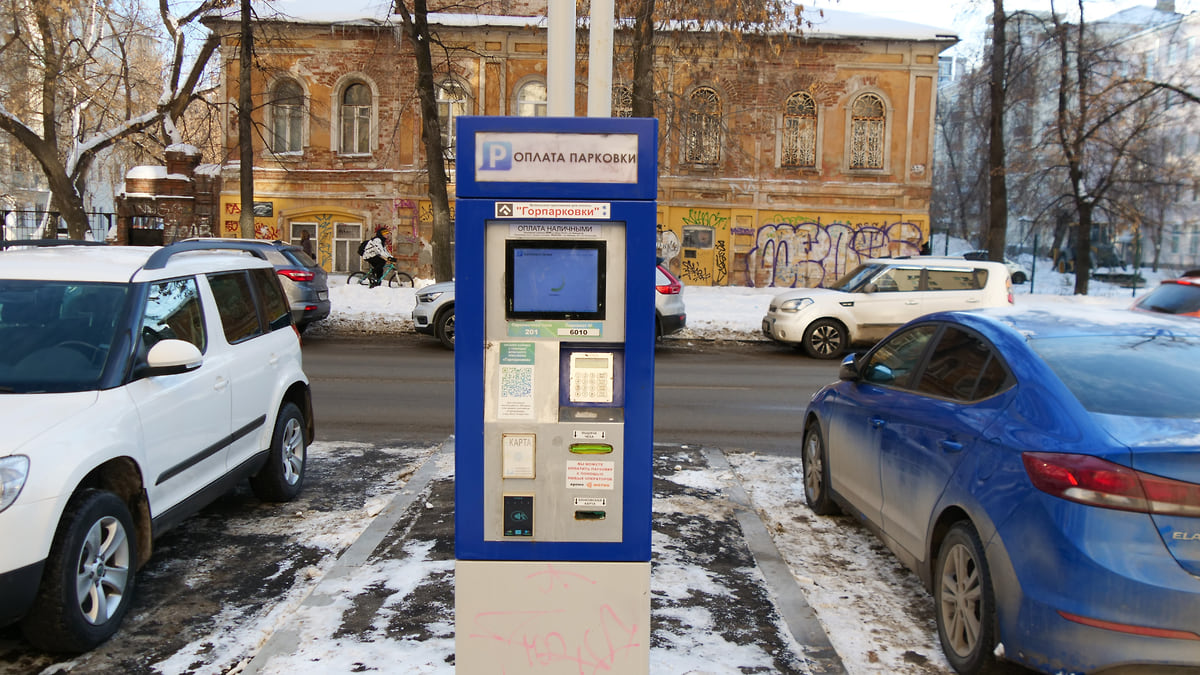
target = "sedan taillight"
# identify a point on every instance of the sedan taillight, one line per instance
(1097, 482)
(297, 275)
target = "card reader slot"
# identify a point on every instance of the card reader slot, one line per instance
(591, 448)
(590, 515)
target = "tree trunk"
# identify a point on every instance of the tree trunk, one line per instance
(245, 126)
(416, 31)
(1083, 247)
(997, 232)
(643, 60)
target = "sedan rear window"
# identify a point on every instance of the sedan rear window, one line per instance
(1138, 375)
(1172, 298)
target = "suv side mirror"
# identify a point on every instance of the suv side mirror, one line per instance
(171, 357)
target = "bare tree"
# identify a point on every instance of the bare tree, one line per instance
(71, 80)
(1101, 119)
(415, 28)
(245, 122)
(997, 230)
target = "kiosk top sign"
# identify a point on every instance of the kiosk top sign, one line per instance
(575, 158)
(556, 157)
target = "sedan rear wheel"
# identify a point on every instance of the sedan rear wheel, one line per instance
(966, 604)
(824, 339)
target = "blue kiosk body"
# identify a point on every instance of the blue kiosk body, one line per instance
(555, 231)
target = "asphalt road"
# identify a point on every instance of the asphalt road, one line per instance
(732, 395)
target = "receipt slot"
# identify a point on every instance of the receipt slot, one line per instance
(555, 229)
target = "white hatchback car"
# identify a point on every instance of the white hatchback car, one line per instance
(137, 384)
(880, 295)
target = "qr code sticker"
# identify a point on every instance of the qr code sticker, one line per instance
(516, 382)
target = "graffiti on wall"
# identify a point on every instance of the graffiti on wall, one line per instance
(262, 229)
(799, 251)
(325, 240)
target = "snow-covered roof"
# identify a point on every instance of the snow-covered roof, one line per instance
(185, 148)
(153, 172)
(1142, 16)
(819, 24)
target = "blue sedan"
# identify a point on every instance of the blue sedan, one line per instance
(1040, 472)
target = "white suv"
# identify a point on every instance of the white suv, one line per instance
(136, 385)
(880, 295)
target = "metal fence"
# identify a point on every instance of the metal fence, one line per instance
(49, 224)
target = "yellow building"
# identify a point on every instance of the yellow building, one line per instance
(780, 165)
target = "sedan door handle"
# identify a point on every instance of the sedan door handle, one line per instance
(220, 384)
(912, 302)
(274, 359)
(878, 422)
(952, 446)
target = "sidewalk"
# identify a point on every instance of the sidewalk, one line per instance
(723, 601)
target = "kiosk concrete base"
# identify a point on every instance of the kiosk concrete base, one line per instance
(551, 617)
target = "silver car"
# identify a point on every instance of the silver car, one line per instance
(305, 283)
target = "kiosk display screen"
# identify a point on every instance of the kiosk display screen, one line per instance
(554, 280)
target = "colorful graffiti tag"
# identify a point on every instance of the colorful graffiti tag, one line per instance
(812, 253)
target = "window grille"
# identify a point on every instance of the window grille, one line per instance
(867, 126)
(622, 101)
(703, 128)
(800, 131)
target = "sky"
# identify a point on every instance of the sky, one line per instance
(968, 18)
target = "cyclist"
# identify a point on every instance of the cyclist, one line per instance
(376, 254)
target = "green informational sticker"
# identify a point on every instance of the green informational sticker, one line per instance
(516, 353)
(559, 330)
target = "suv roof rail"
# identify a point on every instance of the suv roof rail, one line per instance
(159, 258)
(7, 243)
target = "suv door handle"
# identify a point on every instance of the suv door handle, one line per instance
(273, 359)
(220, 384)
(878, 422)
(952, 446)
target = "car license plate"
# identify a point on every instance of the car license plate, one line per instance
(322, 295)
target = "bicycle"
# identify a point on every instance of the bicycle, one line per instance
(391, 274)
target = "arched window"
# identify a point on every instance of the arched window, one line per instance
(868, 122)
(702, 128)
(799, 131)
(287, 117)
(531, 99)
(622, 101)
(452, 101)
(356, 120)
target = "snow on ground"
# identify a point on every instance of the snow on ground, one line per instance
(877, 614)
(714, 313)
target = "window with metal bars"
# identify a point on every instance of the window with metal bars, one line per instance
(868, 122)
(702, 128)
(799, 131)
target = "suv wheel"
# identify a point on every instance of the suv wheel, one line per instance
(282, 476)
(444, 327)
(824, 339)
(89, 578)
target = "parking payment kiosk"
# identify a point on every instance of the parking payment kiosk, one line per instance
(554, 386)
